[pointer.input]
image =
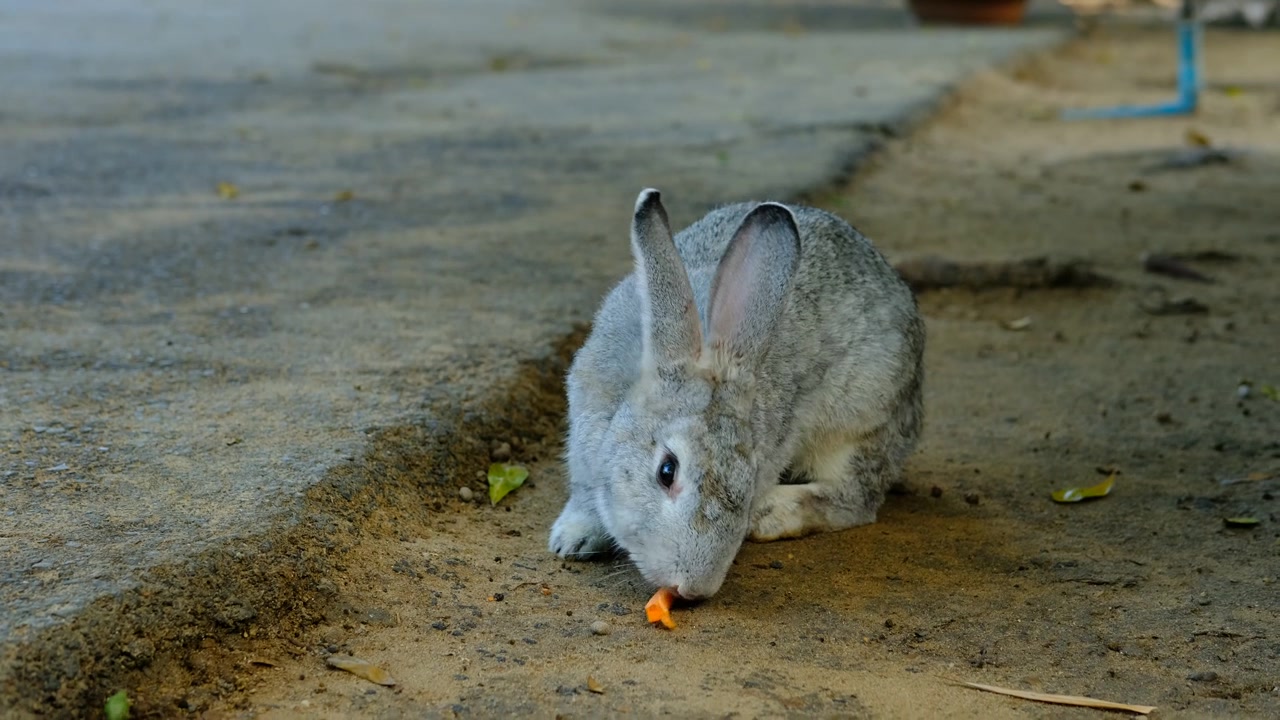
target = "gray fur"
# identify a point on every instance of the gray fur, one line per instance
(810, 366)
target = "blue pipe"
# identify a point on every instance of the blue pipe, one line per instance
(1188, 99)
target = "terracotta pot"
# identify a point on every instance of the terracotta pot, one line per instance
(968, 12)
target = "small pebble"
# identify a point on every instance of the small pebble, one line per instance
(935, 492)
(972, 498)
(466, 494)
(1203, 676)
(501, 453)
(776, 564)
(600, 627)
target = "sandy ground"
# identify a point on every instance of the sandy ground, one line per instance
(972, 573)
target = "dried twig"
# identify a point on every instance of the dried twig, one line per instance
(1173, 267)
(932, 273)
(1074, 700)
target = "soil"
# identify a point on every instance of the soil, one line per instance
(972, 572)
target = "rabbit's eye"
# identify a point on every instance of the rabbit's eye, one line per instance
(667, 471)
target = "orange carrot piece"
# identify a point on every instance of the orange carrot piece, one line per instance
(658, 609)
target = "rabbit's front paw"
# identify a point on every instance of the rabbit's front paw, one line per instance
(578, 534)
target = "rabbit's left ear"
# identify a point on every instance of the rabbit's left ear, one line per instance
(752, 280)
(668, 315)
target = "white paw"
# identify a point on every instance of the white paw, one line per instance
(578, 535)
(785, 511)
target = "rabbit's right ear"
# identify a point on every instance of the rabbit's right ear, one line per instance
(672, 331)
(752, 281)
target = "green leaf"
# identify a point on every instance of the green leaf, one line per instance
(117, 707)
(1245, 522)
(1071, 495)
(503, 479)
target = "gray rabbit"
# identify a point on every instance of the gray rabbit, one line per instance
(759, 374)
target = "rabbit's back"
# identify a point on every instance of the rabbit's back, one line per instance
(846, 351)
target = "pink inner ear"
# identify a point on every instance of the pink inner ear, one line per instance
(730, 303)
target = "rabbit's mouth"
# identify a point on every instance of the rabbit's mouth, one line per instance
(685, 593)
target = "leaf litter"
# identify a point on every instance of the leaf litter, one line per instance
(503, 479)
(362, 669)
(117, 706)
(1021, 323)
(1071, 495)
(1242, 522)
(1250, 478)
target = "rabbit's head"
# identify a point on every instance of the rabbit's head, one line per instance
(683, 453)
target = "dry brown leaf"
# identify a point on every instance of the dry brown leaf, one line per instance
(361, 668)
(594, 686)
(1074, 700)
(1195, 138)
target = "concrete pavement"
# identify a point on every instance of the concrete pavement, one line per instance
(427, 195)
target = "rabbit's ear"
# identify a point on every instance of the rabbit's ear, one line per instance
(752, 280)
(672, 331)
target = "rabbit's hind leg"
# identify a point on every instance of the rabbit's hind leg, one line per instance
(847, 485)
